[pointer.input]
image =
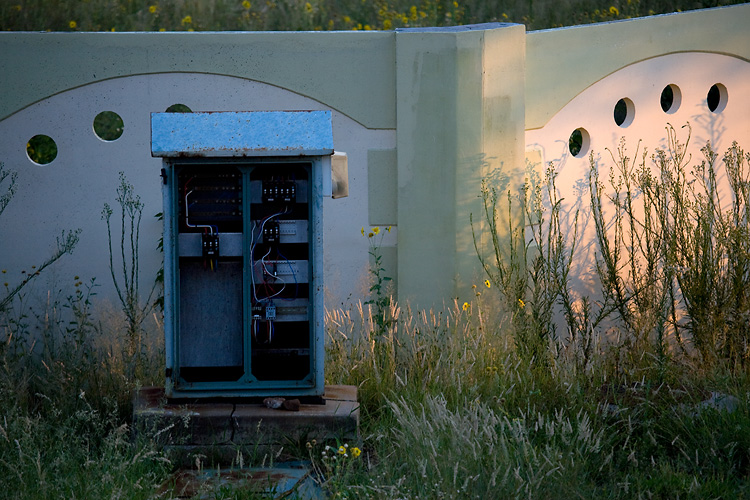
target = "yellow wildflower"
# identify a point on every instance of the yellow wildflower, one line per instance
(17, 7)
(422, 14)
(367, 27)
(162, 29)
(455, 5)
(505, 16)
(413, 13)
(187, 20)
(521, 303)
(356, 452)
(370, 235)
(487, 283)
(466, 306)
(375, 230)
(613, 10)
(152, 9)
(308, 7)
(347, 19)
(387, 24)
(362, 231)
(73, 25)
(388, 229)
(246, 5)
(342, 450)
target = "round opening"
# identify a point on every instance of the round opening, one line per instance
(41, 149)
(108, 126)
(178, 108)
(671, 98)
(624, 112)
(717, 98)
(578, 143)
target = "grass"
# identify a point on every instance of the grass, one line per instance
(449, 410)
(485, 399)
(293, 15)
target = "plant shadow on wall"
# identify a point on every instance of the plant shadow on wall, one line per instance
(66, 242)
(672, 261)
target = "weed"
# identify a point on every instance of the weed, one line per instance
(127, 284)
(379, 296)
(292, 15)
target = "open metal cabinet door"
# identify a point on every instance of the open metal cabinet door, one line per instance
(244, 251)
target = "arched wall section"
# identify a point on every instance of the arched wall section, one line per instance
(700, 94)
(70, 191)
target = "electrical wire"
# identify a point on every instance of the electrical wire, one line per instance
(254, 243)
(293, 273)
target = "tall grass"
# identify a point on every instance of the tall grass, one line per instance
(451, 410)
(293, 15)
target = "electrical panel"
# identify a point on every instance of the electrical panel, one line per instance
(243, 256)
(243, 252)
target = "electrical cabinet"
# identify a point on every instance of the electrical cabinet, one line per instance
(243, 251)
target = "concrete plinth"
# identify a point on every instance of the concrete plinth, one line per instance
(234, 432)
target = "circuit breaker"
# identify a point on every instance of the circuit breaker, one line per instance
(243, 251)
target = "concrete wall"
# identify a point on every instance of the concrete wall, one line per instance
(56, 83)
(460, 118)
(595, 66)
(423, 115)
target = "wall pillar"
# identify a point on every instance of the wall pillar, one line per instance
(459, 119)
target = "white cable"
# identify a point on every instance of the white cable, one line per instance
(210, 228)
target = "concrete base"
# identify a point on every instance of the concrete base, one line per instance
(240, 433)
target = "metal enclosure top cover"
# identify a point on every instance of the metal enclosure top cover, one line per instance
(230, 133)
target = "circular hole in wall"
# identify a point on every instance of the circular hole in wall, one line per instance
(178, 108)
(624, 112)
(578, 143)
(108, 126)
(41, 149)
(717, 98)
(671, 98)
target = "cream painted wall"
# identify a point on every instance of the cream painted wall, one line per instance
(459, 118)
(423, 114)
(337, 68)
(71, 191)
(693, 73)
(562, 63)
